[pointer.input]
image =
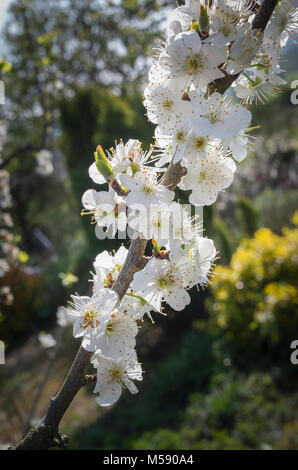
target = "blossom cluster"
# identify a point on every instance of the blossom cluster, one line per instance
(204, 129)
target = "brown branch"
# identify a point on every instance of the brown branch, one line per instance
(173, 175)
(260, 22)
(220, 85)
(117, 188)
(263, 16)
(132, 264)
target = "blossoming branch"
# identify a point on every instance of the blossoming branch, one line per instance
(215, 59)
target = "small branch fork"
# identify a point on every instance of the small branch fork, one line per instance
(46, 434)
(117, 188)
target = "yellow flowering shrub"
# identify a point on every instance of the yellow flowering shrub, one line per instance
(255, 299)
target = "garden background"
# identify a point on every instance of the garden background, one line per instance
(217, 375)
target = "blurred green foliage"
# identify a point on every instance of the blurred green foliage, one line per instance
(247, 216)
(239, 412)
(275, 207)
(254, 300)
(27, 293)
(162, 398)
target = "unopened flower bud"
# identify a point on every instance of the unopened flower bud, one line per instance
(103, 163)
(204, 22)
(156, 247)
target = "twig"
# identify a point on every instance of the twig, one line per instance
(260, 22)
(117, 188)
(263, 16)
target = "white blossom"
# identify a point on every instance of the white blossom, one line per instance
(125, 157)
(106, 208)
(113, 375)
(62, 318)
(216, 116)
(186, 57)
(173, 138)
(152, 223)
(283, 23)
(135, 305)
(107, 268)
(243, 50)
(182, 17)
(91, 315)
(198, 147)
(257, 85)
(195, 259)
(207, 178)
(225, 22)
(145, 190)
(184, 227)
(118, 337)
(164, 104)
(160, 280)
(237, 145)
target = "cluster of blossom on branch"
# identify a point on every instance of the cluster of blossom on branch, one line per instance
(202, 129)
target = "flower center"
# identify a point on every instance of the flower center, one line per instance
(165, 281)
(283, 24)
(147, 189)
(167, 104)
(194, 63)
(134, 168)
(213, 117)
(254, 83)
(199, 143)
(110, 328)
(203, 175)
(162, 282)
(194, 25)
(116, 374)
(99, 213)
(225, 29)
(181, 136)
(89, 318)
